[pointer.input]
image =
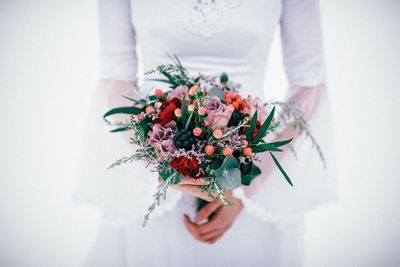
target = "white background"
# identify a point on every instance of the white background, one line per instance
(49, 65)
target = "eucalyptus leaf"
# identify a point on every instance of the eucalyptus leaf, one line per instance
(228, 176)
(215, 91)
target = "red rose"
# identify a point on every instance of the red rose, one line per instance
(167, 113)
(186, 166)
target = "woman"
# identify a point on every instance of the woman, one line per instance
(264, 227)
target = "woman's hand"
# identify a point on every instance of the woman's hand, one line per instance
(211, 231)
(192, 187)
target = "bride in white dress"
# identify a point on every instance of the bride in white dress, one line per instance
(265, 226)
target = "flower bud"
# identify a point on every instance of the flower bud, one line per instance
(228, 151)
(197, 131)
(150, 110)
(209, 149)
(202, 111)
(217, 134)
(247, 151)
(191, 107)
(178, 112)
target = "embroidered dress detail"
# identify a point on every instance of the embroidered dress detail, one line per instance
(205, 17)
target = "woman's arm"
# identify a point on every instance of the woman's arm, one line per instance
(303, 60)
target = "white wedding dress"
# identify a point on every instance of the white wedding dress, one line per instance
(208, 36)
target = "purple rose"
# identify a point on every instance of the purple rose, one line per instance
(179, 92)
(161, 138)
(218, 113)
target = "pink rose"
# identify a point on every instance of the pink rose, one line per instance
(257, 104)
(218, 113)
(161, 138)
(179, 92)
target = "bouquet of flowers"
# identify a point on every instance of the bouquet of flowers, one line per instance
(201, 128)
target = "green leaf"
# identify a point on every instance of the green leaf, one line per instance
(215, 91)
(265, 147)
(131, 99)
(228, 176)
(153, 97)
(249, 177)
(250, 129)
(167, 173)
(163, 81)
(121, 129)
(184, 116)
(123, 110)
(265, 126)
(281, 143)
(224, 78)
(216, 164)
(281, 169)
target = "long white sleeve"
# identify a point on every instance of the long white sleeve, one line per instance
(118, 55)
(124, 193)
(269, 197)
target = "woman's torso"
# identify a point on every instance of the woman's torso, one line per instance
(209, 36)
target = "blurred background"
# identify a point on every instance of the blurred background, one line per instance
(49, 66)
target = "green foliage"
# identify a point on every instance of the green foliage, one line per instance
(281, 169)
(249, 177)
(123, 110)
(264, 127)
(249, 131)
(228, 175)
(167, 173)
(224, 78)
(215, 91)
(265, 147)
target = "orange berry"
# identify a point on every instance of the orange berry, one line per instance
(247, 151)
(202, 111)
(197, 131)
(150, 110)
(217, 133)
(209, 149)
(229, 94)
(228, 151)
(159, 93)
(178, 112)
(235, 105)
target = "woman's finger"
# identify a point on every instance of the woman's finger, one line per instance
(212, 225)
(193, 190)
(193, 181)
(191, 227)
(211, 235)
(207, 210)
(214, 239)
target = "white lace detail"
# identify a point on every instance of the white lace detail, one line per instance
(264, 215)
(308, 78)
(205, 17)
